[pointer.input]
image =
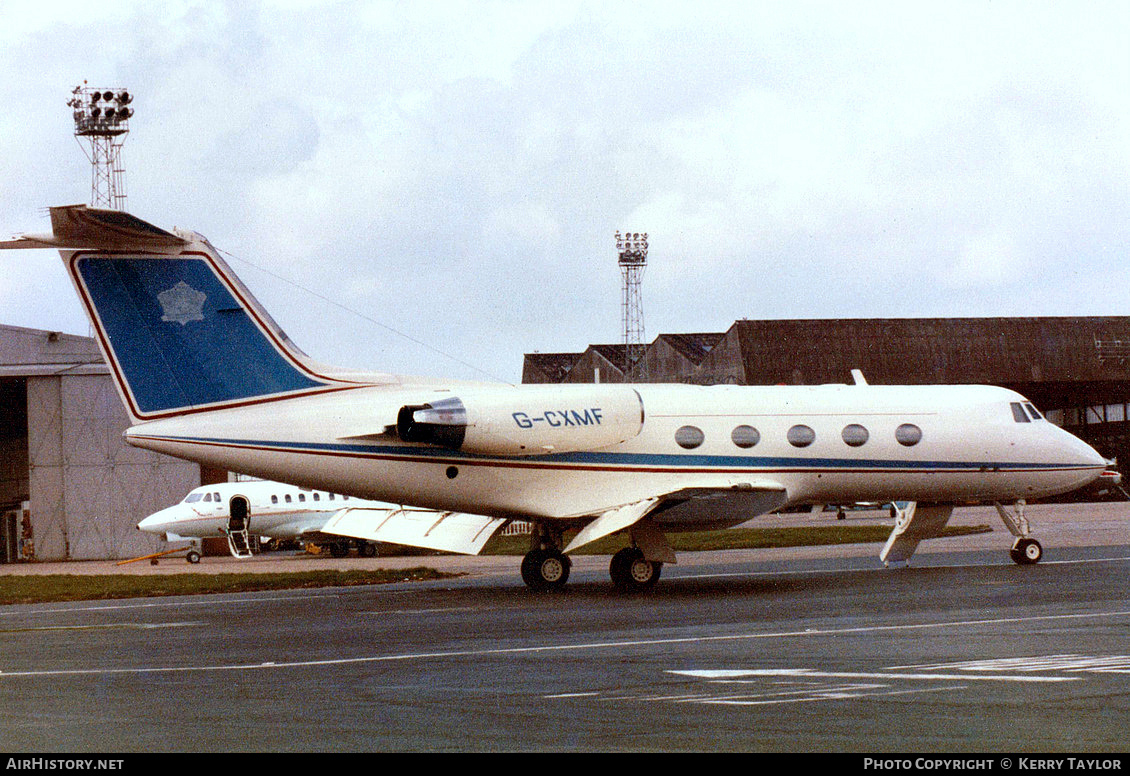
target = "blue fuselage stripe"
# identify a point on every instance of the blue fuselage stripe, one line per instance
(624, 460)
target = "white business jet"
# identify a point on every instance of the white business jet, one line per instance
(207, 375)
(239, 511)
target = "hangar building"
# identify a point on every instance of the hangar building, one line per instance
(1075, 369)
(70, 488)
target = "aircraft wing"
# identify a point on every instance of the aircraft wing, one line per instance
(79, 226)
(688, 508)
(447, 531)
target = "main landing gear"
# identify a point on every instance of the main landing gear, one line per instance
(632, 572)
(545, 567)
(1025, 550)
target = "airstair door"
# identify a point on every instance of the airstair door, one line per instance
(239, 523)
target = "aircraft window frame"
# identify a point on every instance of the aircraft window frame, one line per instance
(302, 497)
(745, 436)
(908, 435)
(274, 499)
(317, 497)
(287, 498)
(800, 435)
(855, 435)
(1018, 413)
(689, 437)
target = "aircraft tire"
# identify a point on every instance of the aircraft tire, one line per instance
(631, 572)
(1026, 552)
(193, 556)
(545, 569)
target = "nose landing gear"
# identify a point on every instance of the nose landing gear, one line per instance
(1025, 550)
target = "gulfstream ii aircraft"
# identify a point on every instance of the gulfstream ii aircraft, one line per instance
(207, 375)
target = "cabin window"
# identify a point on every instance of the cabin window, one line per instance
(215, 496)
(287, 497)
(331, 497)
(855, 435)
(274, 499)
(301, 496)
(745, 436)
(908, 434)
(1018, 413)
(801, 436)
(316, 498)
(689, 437)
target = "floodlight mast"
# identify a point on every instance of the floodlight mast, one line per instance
(102, 120)
(632, 248)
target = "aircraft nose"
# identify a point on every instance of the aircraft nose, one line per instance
(155, 523)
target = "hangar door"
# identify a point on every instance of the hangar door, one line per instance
(88, 488)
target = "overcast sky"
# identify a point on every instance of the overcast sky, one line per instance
(455, 172)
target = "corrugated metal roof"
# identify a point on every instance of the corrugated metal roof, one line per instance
(34, 352)
(936, 350)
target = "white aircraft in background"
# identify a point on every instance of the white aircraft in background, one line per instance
(207, 375)
(237, 511)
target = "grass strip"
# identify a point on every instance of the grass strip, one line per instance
(46, 588)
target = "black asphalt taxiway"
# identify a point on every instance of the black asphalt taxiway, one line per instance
(805, 650)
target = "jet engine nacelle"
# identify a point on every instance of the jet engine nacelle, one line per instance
(526, 420)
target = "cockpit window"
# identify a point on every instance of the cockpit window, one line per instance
(1018, 413)
(1035, 413)
(193, 497)
(207, 496)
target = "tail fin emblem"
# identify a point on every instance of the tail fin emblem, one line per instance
(181, 304)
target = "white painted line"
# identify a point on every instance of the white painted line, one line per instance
(807, 673)
(821, 698)
(799, 572)
(558, 648)
(106, 626)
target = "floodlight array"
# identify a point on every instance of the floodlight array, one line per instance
(100, 111)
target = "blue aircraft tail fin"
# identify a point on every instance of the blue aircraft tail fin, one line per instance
(178, 329)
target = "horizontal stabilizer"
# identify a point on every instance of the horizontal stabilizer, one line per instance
(447, 531)
(79, 226)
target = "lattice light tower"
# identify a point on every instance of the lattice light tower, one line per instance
(102, 121)
(632, 247)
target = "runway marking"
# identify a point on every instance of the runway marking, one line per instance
(105, 626)
(1071, 663)
(165, 603)
(877, 691)
(677, 575)
(557, 648)
(803, 673)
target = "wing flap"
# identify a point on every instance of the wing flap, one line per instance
(688, 509)
(447, 531)
(612, 521)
